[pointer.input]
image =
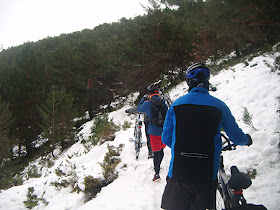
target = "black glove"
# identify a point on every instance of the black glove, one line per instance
(213, 89)
(131, 110)
(250, 141)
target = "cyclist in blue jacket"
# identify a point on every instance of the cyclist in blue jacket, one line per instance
(145, 106)
(192, 130)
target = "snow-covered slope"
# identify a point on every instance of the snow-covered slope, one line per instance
(254, 87)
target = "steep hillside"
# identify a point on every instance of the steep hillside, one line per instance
(253, 85)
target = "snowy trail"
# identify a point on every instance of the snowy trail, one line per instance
(134, 188)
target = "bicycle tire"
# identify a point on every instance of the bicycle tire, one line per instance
(138, 143)
(137, 149)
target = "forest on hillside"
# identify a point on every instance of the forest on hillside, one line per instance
(44, 85)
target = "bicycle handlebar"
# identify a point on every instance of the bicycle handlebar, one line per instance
(230, 146)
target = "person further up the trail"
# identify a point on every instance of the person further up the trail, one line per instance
(155, 131)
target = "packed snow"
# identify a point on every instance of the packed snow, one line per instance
(254, 86)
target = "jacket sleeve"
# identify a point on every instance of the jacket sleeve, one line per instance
(132, 110)
(145, 107)
(140, 107)
(168, 127)
(232, 129)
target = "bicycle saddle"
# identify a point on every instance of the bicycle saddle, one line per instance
(238, 180)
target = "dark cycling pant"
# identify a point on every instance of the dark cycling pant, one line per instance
(181, 196)
(158, 156)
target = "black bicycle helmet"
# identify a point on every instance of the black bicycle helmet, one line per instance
(154, 87)
(152, 91)
(195, 69)
(199, 72)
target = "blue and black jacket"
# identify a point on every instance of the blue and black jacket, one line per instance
(145, 106)
(192, 130)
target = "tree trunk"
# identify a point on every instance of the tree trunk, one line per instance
(237, 50)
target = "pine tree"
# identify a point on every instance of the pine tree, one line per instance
(6, 120)
(23, 87)
(57, 118)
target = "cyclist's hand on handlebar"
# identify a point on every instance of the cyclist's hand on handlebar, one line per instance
(250, 141)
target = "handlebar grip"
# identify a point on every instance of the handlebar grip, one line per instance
(250, 141)
(229, 147)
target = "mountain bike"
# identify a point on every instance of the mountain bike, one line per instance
(230, 188)
(138, 141)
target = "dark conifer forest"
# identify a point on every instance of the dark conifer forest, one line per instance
(44, 85)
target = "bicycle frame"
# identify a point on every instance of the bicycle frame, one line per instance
(231, 197)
